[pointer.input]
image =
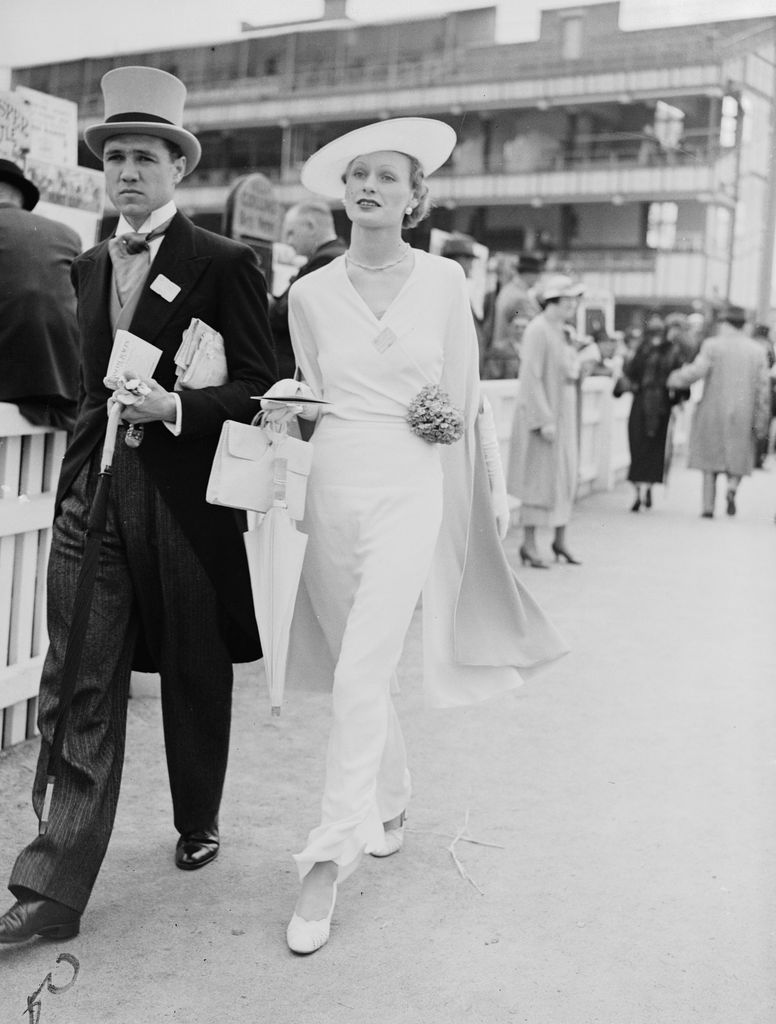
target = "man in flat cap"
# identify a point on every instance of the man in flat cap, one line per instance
(38, 330)
(173, 591)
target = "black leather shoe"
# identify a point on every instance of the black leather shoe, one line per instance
(38, 916)
(196, 849)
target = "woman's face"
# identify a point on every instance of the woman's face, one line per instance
(377, 189)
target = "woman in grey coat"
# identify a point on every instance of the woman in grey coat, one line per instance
(734, 409)
(545, 443)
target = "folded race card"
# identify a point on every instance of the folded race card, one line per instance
(131, 353)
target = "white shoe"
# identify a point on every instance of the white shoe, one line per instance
(393, 842)
(307, 936)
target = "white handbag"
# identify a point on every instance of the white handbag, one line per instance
(243, 472)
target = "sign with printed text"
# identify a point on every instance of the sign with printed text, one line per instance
(53, 127)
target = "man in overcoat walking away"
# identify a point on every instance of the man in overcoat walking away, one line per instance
(173, 590)
(38, 330)
(733, 411)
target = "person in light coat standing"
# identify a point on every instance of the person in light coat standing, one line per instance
(733, 411)
(545, 434)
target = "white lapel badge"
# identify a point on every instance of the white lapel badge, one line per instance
(384, 340)
(165, 287)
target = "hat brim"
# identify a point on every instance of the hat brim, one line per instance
(96, 135)
(576, 292)
(430, 141)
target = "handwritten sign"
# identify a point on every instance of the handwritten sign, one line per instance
(53, 127)
(14, 127)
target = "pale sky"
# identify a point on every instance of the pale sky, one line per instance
(41, 31)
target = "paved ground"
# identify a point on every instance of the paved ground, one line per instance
(629, 793)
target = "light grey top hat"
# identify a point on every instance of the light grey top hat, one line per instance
(144, 101)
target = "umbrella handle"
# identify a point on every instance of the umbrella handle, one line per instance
(109, 446)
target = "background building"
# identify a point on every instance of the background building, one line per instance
(643, 161)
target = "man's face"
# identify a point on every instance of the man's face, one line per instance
(299, 233)
(140, 175)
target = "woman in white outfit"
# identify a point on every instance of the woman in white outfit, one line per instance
(390, 514)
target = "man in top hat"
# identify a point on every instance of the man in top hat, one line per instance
(515, 306)
(173, 591)
(309, 229)
(38, 331)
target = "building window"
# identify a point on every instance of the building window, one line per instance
(571, 37)
(669, 126)
(661, 225)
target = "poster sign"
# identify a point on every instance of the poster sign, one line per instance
(53, 127)
(14, 128)
(253, 216)
(73, 195)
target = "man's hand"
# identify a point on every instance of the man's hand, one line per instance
(144, 401)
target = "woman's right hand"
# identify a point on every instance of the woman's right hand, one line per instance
(278, 412)
(548, 432)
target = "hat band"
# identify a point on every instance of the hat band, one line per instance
(135, 115)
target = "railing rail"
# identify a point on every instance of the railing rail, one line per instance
(30, 458)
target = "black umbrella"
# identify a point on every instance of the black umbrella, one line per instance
(95, 531)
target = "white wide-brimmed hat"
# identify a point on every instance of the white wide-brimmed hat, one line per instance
(559, 286)
(428, 140)
(144, 101)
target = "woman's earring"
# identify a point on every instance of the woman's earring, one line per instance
(409, 210)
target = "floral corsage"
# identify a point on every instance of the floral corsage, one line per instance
(433, 417)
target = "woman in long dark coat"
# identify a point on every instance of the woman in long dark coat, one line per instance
(650, 414)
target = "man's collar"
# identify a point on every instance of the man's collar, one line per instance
(154, 219)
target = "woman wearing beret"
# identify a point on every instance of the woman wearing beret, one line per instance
(405, 496)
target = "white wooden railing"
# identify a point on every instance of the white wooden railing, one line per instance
(30, 458)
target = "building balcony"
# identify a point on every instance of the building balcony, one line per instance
(648, 276)
(207, 190)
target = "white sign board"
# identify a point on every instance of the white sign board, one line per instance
(73, 195)
(53, 127)
(14, 128)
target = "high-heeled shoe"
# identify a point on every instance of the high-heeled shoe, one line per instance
(561, 552)
(305, 937)
(636, 504)
(532, 560)
(393, 842)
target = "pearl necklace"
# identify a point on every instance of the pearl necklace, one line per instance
(384, 266)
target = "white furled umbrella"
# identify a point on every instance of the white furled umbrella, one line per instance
(275, 550)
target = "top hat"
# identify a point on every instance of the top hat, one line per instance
(15, 176)
(428, 140)
(528, 264)
(144, 101)
(559, 287)
(458, 245)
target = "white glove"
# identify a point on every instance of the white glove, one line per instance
(280, 412)
(490, 449)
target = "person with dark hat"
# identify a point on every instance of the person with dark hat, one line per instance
(460, 247)
(38, 330)
(733, 411)
(515, 307)
(173, 592)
